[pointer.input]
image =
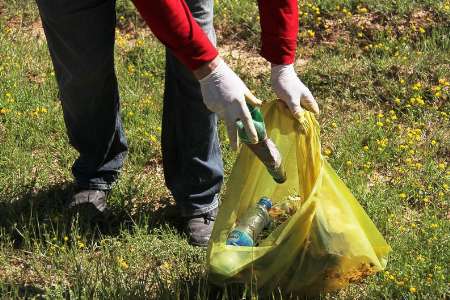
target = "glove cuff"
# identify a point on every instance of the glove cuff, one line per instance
(278, 70)
(218, 70)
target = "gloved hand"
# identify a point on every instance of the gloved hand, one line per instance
(225, 94)
(288, 87)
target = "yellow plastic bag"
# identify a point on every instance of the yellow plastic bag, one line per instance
(329, 241)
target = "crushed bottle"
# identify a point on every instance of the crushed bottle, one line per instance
(251, 224)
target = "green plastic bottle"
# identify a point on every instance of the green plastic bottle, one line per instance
(264, 149)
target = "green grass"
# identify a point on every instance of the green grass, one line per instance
(386, 135)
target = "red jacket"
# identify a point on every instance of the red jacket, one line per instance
(172, 23)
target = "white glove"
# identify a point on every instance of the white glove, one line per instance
(224, 93)
(288, 87)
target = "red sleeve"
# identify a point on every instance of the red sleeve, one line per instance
(172, 23)
(279, 28)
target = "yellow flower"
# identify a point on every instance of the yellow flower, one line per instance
(421, 30)
(397, 101)
(66, 239)
(402, 195)
(441, 166)
(366, 148)
(153, 138)
(417, 86)
(380, 124)
(311, 33)
(334, 125)
(121, 262)
(433, 142)
(434, 226)
(139, 43)
(362, 10)
(349, 163)
(360, 34)
(81, 245)
(420, 101)
(327, 152)
(412, 289)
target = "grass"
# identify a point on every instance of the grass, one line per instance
(380, 71)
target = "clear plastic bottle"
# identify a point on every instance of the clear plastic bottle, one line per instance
(264, 149)
(251, 224)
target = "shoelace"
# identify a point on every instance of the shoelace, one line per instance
(208, 218)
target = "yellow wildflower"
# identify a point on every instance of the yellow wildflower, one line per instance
(363, 10)
(417, 86)
(122, 263)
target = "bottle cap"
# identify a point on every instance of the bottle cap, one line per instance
(266, 202)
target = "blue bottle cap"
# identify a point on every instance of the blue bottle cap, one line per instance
(266, 202)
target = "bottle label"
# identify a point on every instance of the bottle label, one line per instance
(258, 121)
(239, 238)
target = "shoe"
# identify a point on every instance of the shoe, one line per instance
(90, 205)
(199, 228)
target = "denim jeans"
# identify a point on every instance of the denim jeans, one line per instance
(80, 38)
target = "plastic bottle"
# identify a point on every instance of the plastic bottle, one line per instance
(251, 224)
(265, 149)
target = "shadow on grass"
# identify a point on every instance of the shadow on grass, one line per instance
(21, 291)
(27, 214)
(34, 213)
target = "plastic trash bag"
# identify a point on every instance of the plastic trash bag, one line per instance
(329, 241)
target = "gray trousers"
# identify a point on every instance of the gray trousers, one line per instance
(80, 37)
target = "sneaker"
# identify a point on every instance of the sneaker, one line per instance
(89, 205)
(199, 228)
